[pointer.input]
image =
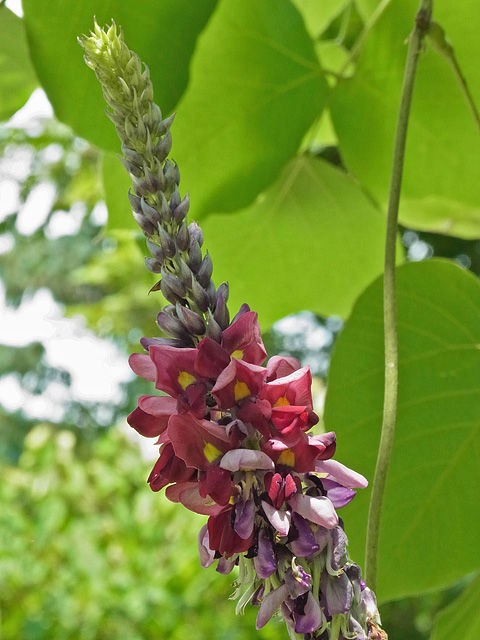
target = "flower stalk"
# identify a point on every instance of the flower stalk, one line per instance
(234, 433)
(384, 455)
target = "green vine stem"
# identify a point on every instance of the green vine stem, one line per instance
(422, 22)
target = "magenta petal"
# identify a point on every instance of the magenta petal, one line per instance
(211, 358)
(141, 364)
(196, 442)
(244, 335)
(318, 510)
(341, 474)
(271, 603)
(158, 405)
(146, 424)
(280, 366)
(187, 494)
(246, 460)
(280, 520)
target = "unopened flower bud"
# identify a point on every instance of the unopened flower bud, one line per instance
(214, 330)
(171, 324)
(153, 265)
(205, 271)
(147, 227)
(156, 251)
(174, 283)
(194, 255)
(196, 232)
(183, 237)
(166, 242)
(199, 295)
(221, 313)
(190, 320)
(181, 209)
(149, 212)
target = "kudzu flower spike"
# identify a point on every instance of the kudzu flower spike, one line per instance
(234, 433)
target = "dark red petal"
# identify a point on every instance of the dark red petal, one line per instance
(146, 424)
(211, 358)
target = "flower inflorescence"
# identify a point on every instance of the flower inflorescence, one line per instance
(234, 434)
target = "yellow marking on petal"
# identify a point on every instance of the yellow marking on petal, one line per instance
(241, 391)
(281, 402)
(287, 457)
(211, 452)
(185, 379)
(231, 500)
(237, 354)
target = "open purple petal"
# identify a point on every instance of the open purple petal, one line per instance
(244, 518)
(319, 510)
(312, 617)
(265, 562)
(280, 520)
(271, 603)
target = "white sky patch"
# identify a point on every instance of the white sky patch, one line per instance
(66, 223)
(36, 208)
(10, 197)
(15, 6)
(97, 367)
(7, 242)
(30, 116)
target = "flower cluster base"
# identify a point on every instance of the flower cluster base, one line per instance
(235, 445)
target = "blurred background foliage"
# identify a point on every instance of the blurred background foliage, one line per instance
(304, 101)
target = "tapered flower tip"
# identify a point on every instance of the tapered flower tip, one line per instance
(340, 473)
(246, 460)
(271, 603)
(318, 510)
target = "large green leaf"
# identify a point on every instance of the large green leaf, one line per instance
(431, 523)
(256, 88)
(312, 241)
(318, 15)
(461, 619)
(441, 188)
(17, 77)
(162, 32)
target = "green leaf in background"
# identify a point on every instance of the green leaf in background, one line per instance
(312, 241)
(162, 32)
(441, 191)
(318, 15)
(256, 87)
(17, 77)
(461, 619)
(431, 523)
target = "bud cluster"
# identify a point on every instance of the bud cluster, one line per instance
(196, 307)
